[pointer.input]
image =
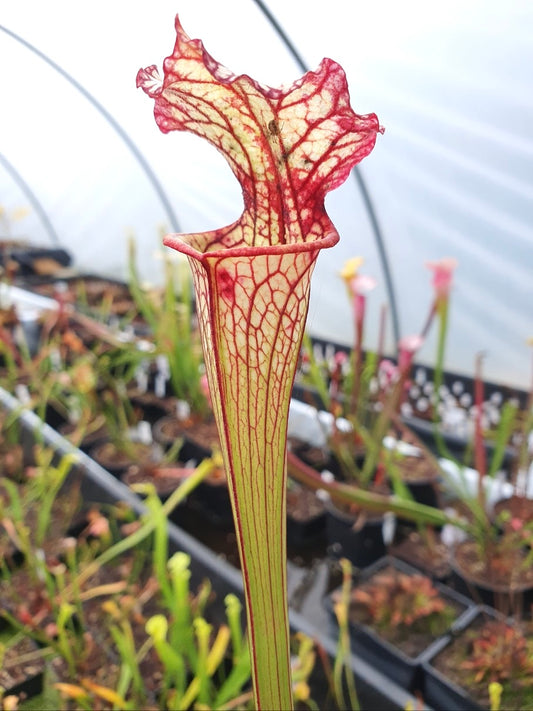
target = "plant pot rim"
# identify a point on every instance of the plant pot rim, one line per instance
(480, 580)
(371, 517)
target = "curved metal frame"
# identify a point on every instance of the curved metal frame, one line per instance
(32, 199)
(174, 224)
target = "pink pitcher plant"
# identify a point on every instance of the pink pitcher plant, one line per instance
(360, 424)
(287, 147)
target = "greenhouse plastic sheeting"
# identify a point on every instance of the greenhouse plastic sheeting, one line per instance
(83, 165)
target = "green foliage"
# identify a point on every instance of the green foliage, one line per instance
(190, 651)
(169, 314)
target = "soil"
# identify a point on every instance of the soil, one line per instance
(415, 469)
(11, 460)
(303, 504)
(70, 431)
(432, 558)
(21, 663)
(203, 433)
(164, 483)
(167, 478)
(321, 458)
(504, 569)
(519, 508)
(64, 508)
(152, 406)
(316, 457)
(115, 459)
(501, 578)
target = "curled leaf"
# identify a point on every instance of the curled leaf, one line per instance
(287, 146)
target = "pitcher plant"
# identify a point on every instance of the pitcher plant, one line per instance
(287, 147)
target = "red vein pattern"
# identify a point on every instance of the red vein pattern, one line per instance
(287, 147)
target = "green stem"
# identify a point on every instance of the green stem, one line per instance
(343, 647)
(181, 633)
(438, 378)
(264, 576)
(149, 524)
(348, 493)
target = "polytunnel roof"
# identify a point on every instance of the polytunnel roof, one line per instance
(83, 162)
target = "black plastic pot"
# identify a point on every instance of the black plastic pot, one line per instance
(438, 689)
(211, 497)
(358, 538)
(89, 441)
(305, 528)
(153, 409)
(166, 430)
(29, 257)
(424, 492)
(117, 461)
(503, 596)
(392, 661)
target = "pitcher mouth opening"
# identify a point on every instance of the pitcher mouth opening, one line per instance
(181, 243)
